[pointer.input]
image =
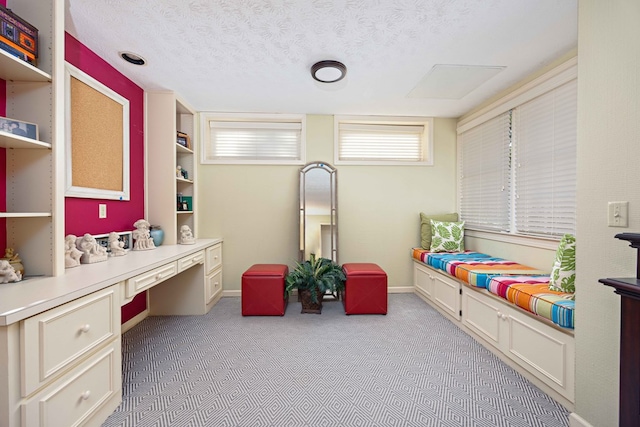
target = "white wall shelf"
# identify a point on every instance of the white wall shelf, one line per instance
(14, 69)
(8, 140)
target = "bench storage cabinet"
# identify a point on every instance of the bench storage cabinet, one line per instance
(540, 350)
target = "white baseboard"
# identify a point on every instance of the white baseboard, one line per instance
(134, 321)
(576, 420)
(231, 293)
(400, 290)
(391, 290)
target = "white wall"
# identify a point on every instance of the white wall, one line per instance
(608, 153)
(254, 208)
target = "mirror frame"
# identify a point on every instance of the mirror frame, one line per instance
(333, 185)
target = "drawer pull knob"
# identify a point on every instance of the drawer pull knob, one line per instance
(504, 317)
(85, 395)
(215, 257)
(499, 315)
(85, 328)
(158, 276)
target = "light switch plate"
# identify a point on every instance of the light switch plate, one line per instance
(618, 215)
(102, 210)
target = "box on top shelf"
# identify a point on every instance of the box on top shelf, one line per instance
(18, 37)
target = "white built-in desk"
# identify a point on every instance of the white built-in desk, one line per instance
(60, 336)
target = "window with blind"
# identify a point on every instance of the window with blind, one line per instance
(383, 140)
(485, 178)
(545, 163)
(518, 170)
(259, 139)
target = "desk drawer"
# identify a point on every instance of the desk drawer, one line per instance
(213, 258)
(73, 399)
(144, 281)
(55, 340)
(189, 261)
(213, 286)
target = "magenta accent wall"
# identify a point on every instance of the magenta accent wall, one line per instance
(81, 215)
(3, 162)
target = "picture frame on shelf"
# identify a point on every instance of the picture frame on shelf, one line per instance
(184, 140)
(18, 127)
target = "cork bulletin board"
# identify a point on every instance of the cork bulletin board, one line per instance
(97, 139)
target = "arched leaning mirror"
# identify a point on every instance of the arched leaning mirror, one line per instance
(318, 211)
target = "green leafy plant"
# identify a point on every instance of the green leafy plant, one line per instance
(316, 275)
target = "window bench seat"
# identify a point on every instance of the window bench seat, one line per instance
(509, 309)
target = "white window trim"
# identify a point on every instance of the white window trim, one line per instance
(550, 80)
(558, 76)
(206, 117)
(391, 120)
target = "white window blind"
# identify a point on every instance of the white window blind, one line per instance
(485, 175)
(383, 142)
(254, 141)
(545, 163)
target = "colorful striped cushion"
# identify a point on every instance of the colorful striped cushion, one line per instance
(519, 284)
(532, 293)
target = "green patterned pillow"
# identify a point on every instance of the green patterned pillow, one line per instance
(425, 226)
(563, 273)
(447, 236)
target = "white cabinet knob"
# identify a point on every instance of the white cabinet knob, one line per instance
(158, 276)
(499, 315)
(85, 328)
(215, 257)
(85, 395)
(504, 317)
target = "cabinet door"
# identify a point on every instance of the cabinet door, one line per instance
(483, 316)
(543, 350)
(423, 281)
(446, 293)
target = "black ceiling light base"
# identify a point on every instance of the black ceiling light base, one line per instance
(328, 71)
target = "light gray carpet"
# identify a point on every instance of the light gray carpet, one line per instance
(412, 367)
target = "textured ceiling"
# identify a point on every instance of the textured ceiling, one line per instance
(255, 55)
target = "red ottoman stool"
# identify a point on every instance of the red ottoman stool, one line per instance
(263, 290)
(365, 291)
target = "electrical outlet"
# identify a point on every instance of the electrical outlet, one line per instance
(618, 215)
(102, 210)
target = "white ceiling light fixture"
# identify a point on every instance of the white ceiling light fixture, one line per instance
(328, 71)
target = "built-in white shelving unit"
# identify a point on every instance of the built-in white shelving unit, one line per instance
(35, 195)
(167, 115)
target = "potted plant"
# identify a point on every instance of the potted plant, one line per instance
(313, 278)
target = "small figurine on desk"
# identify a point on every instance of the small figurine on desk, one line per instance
(14, 260)
(71, 254)
(142, 236)
(92, 252)
(7, 273)
(178, 171)
(186, 236)
(116, 245)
